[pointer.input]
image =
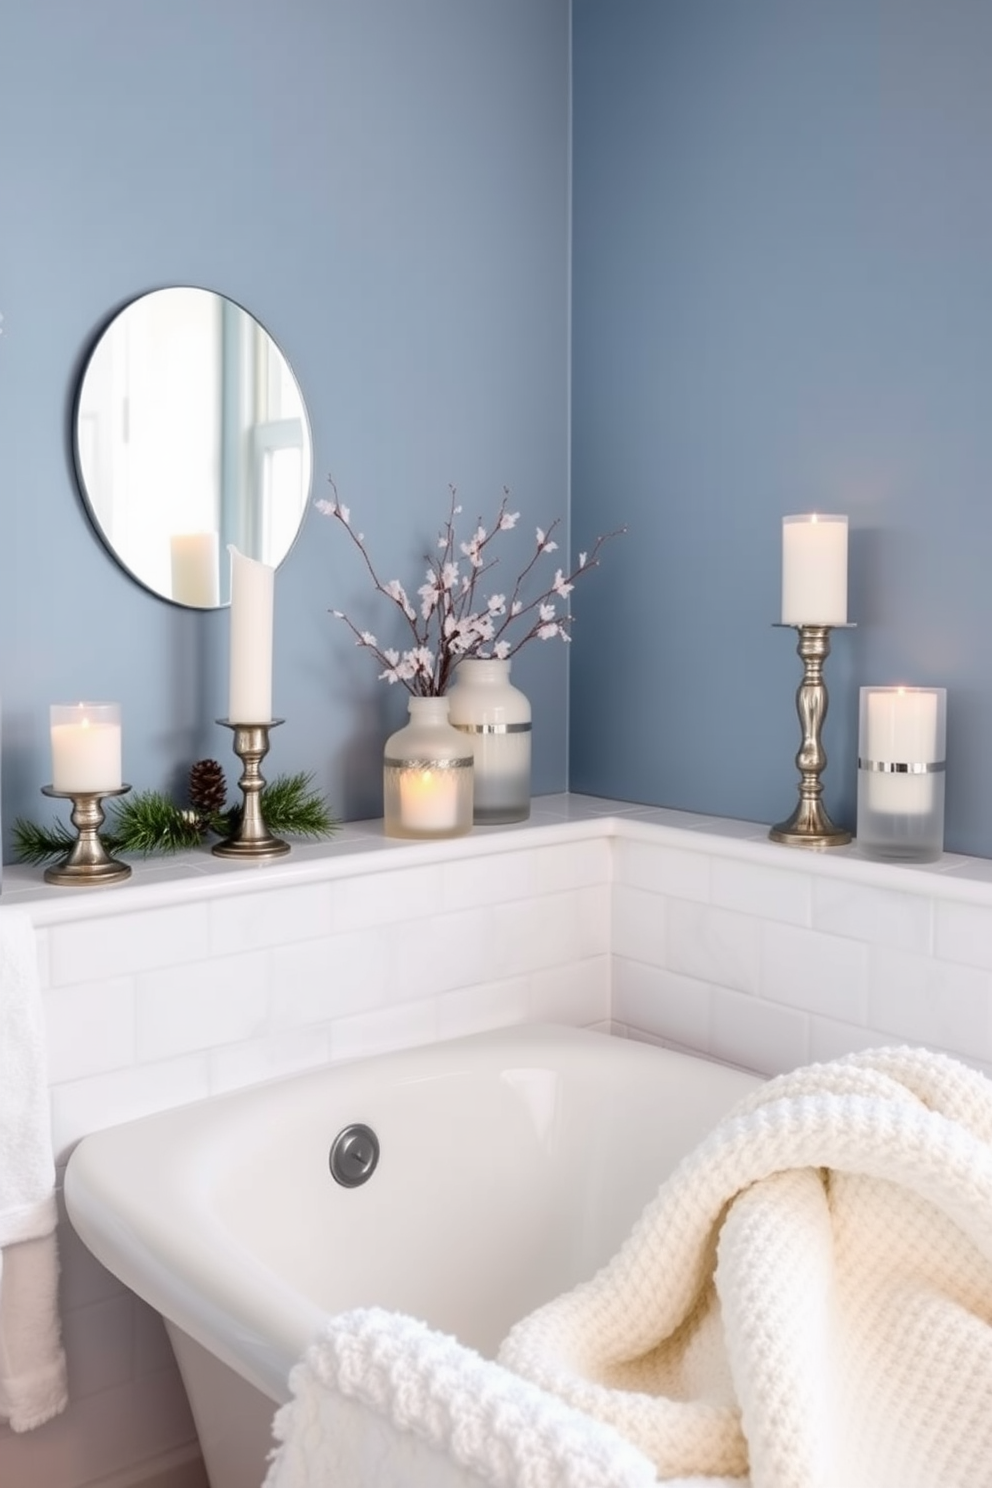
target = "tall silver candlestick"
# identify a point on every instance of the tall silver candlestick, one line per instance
(253, 838)
(809, 825)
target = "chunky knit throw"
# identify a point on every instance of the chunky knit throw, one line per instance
(808, 1299)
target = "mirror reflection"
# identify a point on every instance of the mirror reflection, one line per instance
(191, 434)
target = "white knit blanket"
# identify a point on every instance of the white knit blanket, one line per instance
(380, 1400)
(808, 1299)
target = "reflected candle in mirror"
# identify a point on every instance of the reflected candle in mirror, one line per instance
(429, 799)
(814, 570)
(86, 747)
(252, 588)
(196, 569)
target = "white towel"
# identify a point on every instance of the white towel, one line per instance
(809, 1297)
(381, 1398)
(32, 1362)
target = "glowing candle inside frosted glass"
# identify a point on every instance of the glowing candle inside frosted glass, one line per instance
(900, 729)
(429, 799)
(86, 747)
(814, 570)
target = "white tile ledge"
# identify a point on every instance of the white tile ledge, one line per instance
(361, 848)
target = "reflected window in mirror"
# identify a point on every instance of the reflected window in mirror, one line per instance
(191, 434)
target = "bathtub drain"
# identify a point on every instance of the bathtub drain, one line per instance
(354, 1154)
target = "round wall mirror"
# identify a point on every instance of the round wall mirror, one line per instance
(191, 434)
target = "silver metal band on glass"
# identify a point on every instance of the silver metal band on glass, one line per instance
(493, 728)
(429, 764)
(883, 767)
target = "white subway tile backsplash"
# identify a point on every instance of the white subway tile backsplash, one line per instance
(903, 921)
(81, 1106)
(246, 922)
(376, 899)
(767, 893)
(829, 1038)
(487, 1005)
(820, 973)
(757, 1035)
(713, 945)
(88, 951)
(931, 1002)
(662, 1003)
(574, 994)
(89, 1029)
(963, 932)
(659, 869)
(638, 924)
(316, 980)
(215, 1002)
(462, 950)
(269, 1057)
(384, 1029)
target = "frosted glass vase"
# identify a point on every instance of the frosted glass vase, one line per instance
(495, 716)
(427, 775)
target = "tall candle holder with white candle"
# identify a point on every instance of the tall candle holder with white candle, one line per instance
(250, 703)
(252, 604)
(814, 570)
(901, 749)
(814, 601)
(427, 775)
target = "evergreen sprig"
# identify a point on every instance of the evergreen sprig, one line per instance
(150, 822)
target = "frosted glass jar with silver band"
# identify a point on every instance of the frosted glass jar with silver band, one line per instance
(901, 749)
(496, 717)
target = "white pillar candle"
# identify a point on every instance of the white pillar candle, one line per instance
(900, 729)
(252, 588)
(86, 747)
(429, 799)
(196, 569)
(814, 570)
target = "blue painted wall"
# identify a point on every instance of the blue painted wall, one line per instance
(782, 280)
(781, 263)
(385, 186)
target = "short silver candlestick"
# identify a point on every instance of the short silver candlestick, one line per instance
(88, 863)
(252, 840)
(809, 825)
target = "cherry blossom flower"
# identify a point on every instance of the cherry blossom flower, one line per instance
(456, 620)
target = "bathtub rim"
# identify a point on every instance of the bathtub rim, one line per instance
(119, 1235)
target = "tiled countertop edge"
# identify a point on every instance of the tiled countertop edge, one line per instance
(361, 848)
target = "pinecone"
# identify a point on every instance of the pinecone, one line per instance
(207, 787)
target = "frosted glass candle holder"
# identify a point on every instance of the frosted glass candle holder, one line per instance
(427, 775)
(86, 748)
(901, 765)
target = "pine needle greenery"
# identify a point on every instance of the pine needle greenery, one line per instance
(150, 822)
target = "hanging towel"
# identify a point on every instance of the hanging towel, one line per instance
(32, 1362)
(381, 1398)
(808, 1298)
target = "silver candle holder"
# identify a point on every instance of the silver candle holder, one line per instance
(87, 864)
(809, 825)
(253, 839)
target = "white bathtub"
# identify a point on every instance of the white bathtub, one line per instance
(511, 1165)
